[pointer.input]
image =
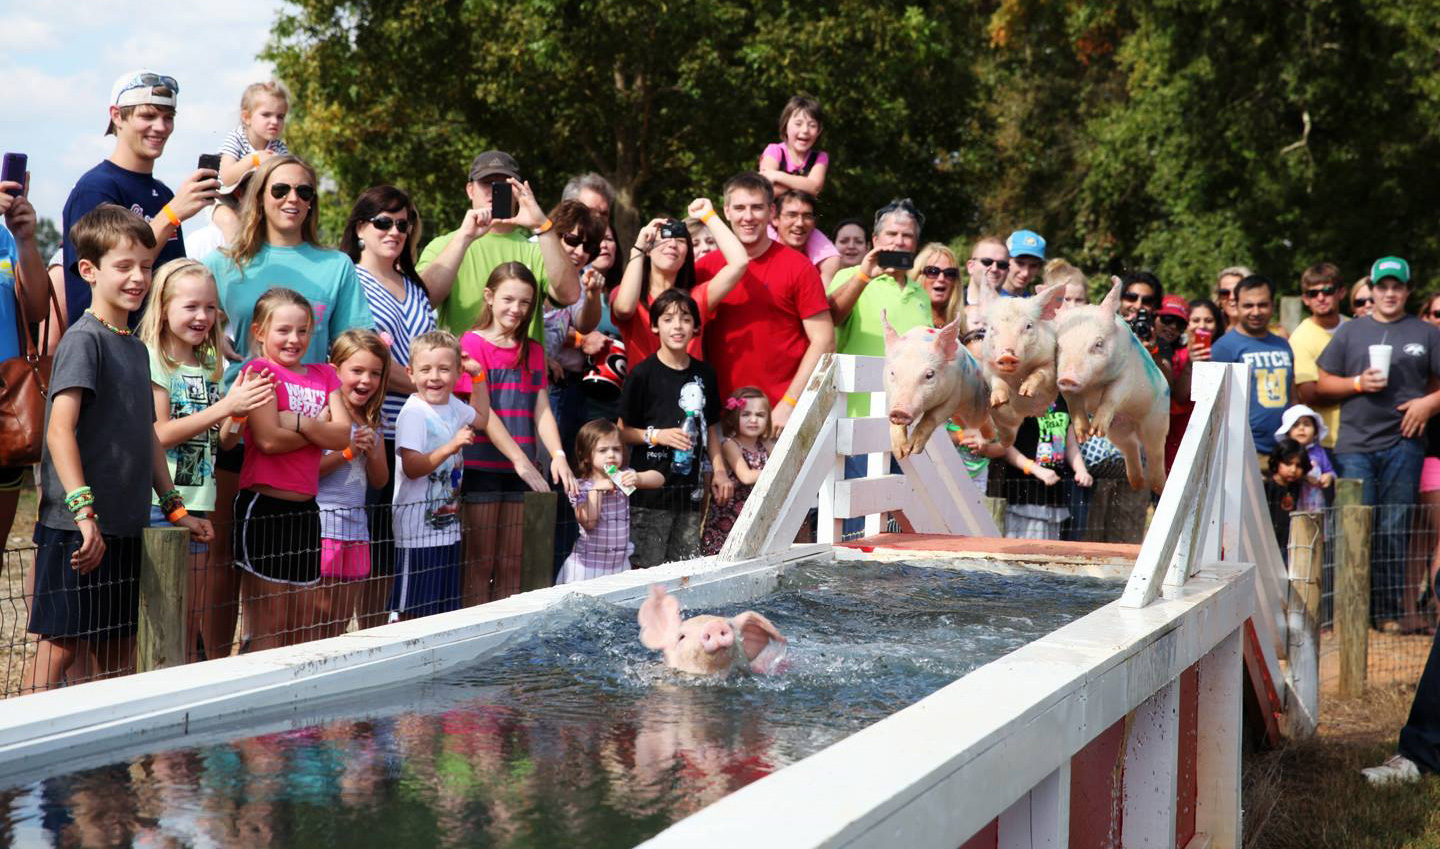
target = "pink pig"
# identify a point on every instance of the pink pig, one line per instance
(929, 377)
(1019, 356)
(1113, 387)
(707, 645)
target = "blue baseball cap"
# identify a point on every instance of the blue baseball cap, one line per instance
(1026, 243)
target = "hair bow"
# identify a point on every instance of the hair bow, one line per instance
(733, 403)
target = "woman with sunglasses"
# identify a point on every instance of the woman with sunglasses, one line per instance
(937, 270)
(581, 232)
(277, 246)
(1361, 300)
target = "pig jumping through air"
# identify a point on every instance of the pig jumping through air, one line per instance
(1113, 387)
(929, 377)
(709, 645)
(1019, 356)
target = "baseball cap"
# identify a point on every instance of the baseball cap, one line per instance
(1390, 266)
(494, 162)
(1176, 306)
(135, 88)
(1026, 243)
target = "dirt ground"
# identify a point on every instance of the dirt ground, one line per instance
(14, 611)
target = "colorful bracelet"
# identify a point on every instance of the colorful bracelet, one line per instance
(92, 516)
(79, 490)
(348, 453)
(79, 501)
(170, 215)
(174, 516)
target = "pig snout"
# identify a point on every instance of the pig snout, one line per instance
(1067, 383)
(717, 636)
(1007, 361)
(900, 417)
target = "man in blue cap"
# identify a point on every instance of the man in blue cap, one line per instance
(1027, 262)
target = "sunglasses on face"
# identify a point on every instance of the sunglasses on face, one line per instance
(304, 191)
(1002, 264)
(574, 240)
(1173, 321)
(1223, 294)
(951, 274)
(1147, 300)
(1363, 302)
(380, 222)
(1320, 290)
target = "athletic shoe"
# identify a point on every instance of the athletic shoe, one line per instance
(1398, 770)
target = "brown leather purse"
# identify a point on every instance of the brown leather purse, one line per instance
(23, 384)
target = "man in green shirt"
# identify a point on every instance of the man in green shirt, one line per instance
(456, 265)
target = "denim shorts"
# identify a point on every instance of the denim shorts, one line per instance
(158, 520)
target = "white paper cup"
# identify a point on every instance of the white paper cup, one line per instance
(1380, 358)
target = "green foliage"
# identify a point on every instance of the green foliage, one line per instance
(47, 237)
(1176, 135)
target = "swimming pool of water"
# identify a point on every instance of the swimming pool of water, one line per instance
(573, 735)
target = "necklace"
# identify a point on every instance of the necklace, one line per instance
(118, 331)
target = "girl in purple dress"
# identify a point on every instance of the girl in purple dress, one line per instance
(745, 450)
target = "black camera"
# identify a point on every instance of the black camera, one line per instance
(673, 229)
(1143, 324)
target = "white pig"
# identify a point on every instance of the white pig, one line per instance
(1113, 387)
(1018, 356)
(709, 645)
(929, 377)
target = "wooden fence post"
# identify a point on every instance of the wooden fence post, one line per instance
(1307, 561)
(537, 558)
(1291, 312)
(1352, 598)
(164, 605)
(997, 512)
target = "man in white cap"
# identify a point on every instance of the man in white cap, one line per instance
(142, 117)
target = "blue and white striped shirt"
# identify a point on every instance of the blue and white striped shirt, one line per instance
(403, 321)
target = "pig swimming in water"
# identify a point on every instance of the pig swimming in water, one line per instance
(929, 377)
(1113, 387)
(1019, 356)
(709, 645)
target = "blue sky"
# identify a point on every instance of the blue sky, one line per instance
(61, 58)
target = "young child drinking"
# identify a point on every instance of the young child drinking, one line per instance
(795, 164)
(263, 107)
(363, 363)
(1307, 428)
(501, 465)
(670, 405)
(276, 534)
(745, 423)
(1289, 464)
(98, 429)
(431, 430)
(602, 505)
(181, 329)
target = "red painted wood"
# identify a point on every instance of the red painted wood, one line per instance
(1261, 686)
(1096, 780)
(986, 838)
(1186, 785)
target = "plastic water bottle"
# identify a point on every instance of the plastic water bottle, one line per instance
(684, 458)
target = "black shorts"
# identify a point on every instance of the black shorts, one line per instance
(230, 459)
(12, 478)
(277, 540)
(482, 487)
(382, 531)
(98, 605)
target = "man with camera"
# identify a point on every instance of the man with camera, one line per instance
(1272, 364)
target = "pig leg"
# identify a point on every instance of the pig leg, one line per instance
(1078, 418)
(1129, 445)
(899, 440)
(1039, 381)
(1104, 416)
(999, 392)
(921, 434)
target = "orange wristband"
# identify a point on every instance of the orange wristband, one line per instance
(177, 514)
(170, 215)
(545, 228)
(479, 378)
(1358, 387)
(255, 159)
(348, 453)
(1029, 467)
(789, 400)
(705, 219)
(862, 277)
(577, 337)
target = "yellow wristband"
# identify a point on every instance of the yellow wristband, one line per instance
(177, 514)
(789, 400)
(705, 219)
(1358, 387)
(862, 276)
(170, 215)
(348, 453)
(255, 159)
(545, 228)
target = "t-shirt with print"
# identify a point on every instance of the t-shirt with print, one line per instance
(1308, 340)
(757, 335)
(905, 304)
(513, 388)
(1042, 438)
(459, 311)
(192, 389)
(306, 392)
(659, 396)
(237, 144)
(1272, 368)
(403, 322)
(9, 274)
(641, 341)
(341, 497)
(427, 510)
(107, 182)
(326, 278)
(1369, 421)
(115, 430)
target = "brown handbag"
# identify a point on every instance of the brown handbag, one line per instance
(23, 383)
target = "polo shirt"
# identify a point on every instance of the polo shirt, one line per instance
(906, 306)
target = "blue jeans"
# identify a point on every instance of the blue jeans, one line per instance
(1392, 485)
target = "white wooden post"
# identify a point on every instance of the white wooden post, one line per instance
(1152, 767)
(1217, 751)
(1041, 818)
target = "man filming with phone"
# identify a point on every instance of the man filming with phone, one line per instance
(496, 229)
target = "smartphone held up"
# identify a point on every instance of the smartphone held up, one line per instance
(12, 170)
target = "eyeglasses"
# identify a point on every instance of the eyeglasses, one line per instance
(1363, 302)
(1002, 264)
(797, 215)
(1320, 290)
(951, 274)
(574, 240)
(1147, 300)
(380, 222)
(304, 191)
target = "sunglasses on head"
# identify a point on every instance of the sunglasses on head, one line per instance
(304, 191)
(381, 222)
(1002, 264)
(951, 274)
(1319, 290)
(1147, 300)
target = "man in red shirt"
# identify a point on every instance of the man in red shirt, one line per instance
(773, 328)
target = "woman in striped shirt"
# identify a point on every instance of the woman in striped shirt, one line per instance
(381, 237)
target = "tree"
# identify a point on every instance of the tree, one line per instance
(47, 237)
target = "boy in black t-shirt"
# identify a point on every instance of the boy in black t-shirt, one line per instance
(670, 408)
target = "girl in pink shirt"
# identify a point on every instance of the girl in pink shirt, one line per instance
(277, 522)
(795, 164)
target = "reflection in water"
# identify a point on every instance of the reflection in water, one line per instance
(573, 736)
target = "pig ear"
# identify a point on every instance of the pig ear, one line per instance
(1111, 304)
(1050, 299)
(948, 339)
(659, 619)
(891, 337)
(761, 640)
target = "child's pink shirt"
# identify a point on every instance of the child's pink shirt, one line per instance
(306, 393)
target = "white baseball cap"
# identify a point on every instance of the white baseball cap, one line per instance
(135, 88)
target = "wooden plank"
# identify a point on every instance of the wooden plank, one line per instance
(1261, 681)
(1292, 312)
(1041, 819)
(1352, 598)
(862, 435)
(1349, 491)
(1218, 745)
(864, 496)
(959, 488)
(537, 556)
(164, 603)
(1307, 560)
(1152, 768)
(828, 526)
(859, 374)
